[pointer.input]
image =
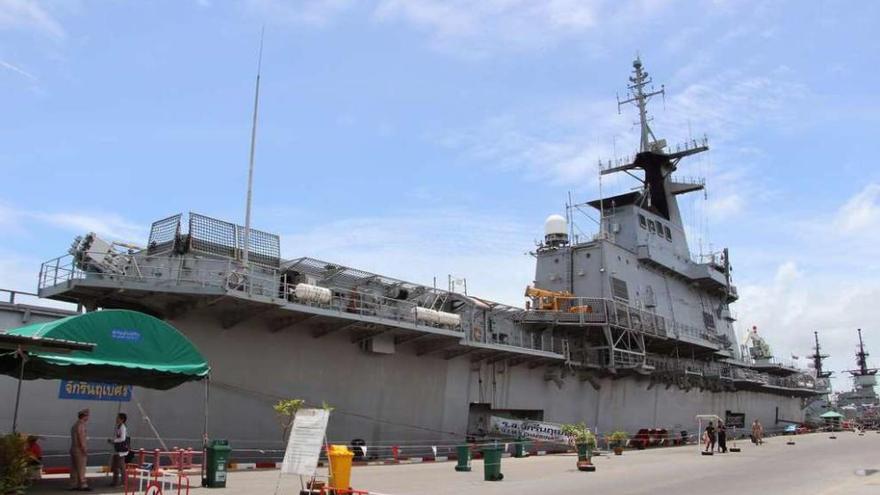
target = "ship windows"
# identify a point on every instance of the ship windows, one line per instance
(668, 233)
(642, 222)
(651, 227)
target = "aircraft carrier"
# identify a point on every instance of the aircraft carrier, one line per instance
(622, 329)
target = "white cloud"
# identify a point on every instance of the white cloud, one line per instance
(316, 13)
(110, 225)
(475, 29)
(830, 288)
(861, 213)
(418, 246)
(29, 15)
(563, 142)
(18, 70)
(19, 273)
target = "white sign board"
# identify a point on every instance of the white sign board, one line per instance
(306, 439)
(535, 430)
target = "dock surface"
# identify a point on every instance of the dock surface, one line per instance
(815, 464)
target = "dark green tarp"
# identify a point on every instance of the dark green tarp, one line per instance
(132, 348)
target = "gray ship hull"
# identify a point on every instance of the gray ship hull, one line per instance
(400, 398)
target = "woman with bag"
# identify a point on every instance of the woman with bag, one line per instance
(120, 443)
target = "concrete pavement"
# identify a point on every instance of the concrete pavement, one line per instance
(815, 465)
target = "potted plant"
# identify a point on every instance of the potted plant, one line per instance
(13, 464)
(286, 411)
(617, 440)
(585, 441)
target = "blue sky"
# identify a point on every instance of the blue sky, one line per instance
(423, 138)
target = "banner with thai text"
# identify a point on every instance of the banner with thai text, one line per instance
(79, 390)
(535, 430)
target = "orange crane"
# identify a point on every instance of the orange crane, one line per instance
(548, 300)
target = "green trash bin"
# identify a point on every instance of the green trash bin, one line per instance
(216, 462)
(492, 463)
(519, 448)
(463, 453)
(585, 452)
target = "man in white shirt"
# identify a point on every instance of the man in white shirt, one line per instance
(120, 449)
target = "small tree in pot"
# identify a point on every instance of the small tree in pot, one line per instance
(585, 441)
(13, 464)
(286, 411)
(617, 440)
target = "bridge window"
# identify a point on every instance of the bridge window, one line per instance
(668, 233)
(651, 227)
(642, 222)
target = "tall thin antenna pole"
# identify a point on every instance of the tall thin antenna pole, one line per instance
(601, 205)
(247, 210)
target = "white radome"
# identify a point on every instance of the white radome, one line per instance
(555, 224)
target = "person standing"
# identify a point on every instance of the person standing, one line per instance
(760, 432)
(757, 432)
(79, 452)
(722, 437)
(120, 449)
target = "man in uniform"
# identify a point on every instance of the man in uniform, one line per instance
(79, 452)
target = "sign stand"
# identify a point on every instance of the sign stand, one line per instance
(307, 436)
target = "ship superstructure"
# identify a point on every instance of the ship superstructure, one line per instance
(862, 403)
(624, 330)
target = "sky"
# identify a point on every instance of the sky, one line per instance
(425, 138)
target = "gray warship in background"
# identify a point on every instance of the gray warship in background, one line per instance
(621, 330)
(861, 404)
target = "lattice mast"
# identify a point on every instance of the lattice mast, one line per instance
(638, 96)
(862, 361)
(818, 358)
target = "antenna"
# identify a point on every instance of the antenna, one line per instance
(250, 185)
(639, 97)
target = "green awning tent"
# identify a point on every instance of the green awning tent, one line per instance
(131, 348)
(831, 415)
(110, 346)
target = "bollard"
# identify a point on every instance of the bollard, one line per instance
(492, 463)
(464, 458)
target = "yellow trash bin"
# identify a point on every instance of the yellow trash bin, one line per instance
(340, 467)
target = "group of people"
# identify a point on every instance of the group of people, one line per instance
(716, 436)
(79, 452)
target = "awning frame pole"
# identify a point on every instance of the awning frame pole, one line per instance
(23, 358)
(207, 396)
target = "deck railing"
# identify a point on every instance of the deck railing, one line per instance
(270, 285)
